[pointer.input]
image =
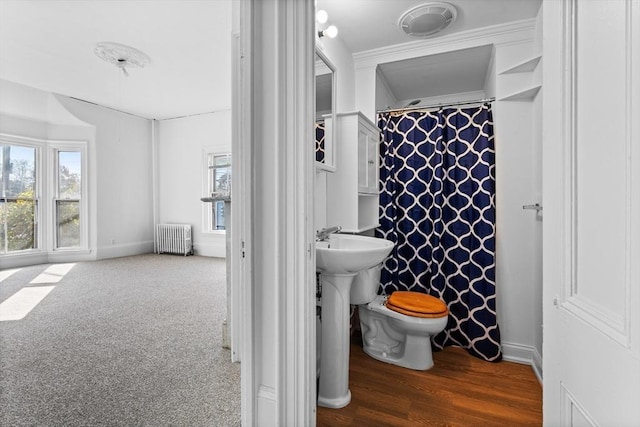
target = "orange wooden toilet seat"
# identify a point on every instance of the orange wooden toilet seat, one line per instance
(417, 304)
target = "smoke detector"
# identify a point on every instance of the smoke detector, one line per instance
(427, 19)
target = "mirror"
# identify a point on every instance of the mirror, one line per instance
(325, 112)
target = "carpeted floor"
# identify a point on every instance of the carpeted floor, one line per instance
(132, 341)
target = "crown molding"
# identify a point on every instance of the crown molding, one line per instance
(503, 34)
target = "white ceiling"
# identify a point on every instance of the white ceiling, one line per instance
(370, 24)
(48, 44)
(366, 25)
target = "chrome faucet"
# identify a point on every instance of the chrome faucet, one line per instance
(325, 232)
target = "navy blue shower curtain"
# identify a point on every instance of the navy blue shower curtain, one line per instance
(437, 204)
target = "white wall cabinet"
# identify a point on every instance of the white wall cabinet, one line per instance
(352, 190)
(368, 143)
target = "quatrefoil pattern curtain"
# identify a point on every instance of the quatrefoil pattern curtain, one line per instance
(437, 204)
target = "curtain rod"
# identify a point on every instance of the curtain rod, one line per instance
(444, 104)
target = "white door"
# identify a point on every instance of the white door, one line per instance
(591, 184)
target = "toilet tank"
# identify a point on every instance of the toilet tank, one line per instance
(364, 288)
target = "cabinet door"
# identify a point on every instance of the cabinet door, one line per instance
(367, 160)
(362, 159)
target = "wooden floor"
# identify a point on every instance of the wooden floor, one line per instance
(460, 390)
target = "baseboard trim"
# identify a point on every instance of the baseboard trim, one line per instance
(525, 354)
(44, 257)
(125, 249)
(210, 250)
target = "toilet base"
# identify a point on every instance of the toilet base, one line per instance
(398, 339)
(422, 363)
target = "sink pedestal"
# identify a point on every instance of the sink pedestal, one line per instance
(334, 391)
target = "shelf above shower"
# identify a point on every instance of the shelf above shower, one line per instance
(523, 67)
(523, 95)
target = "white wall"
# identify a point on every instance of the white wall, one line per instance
(519, 231)
(123, 179)
(384, 96)
(338, 54)
(182, 144)
(120, 156)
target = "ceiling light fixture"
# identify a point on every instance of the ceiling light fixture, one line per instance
(427, 19)
(121, 56)
(321, 18)
(331, 31)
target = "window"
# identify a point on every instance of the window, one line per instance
(219, 183)
(68, 198)
(18, 198)
(42, 195)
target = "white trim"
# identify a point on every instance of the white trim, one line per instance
(26, 258)
(125, 249)
(524, 354)
(612, 324)
(277, 111)
(207, 217)
(241, 236)
(45, 191)
(54, 147)
(155, 182)
(568, 405)
(213, 250)
(236, 256)
(504, 34)
(633, 237)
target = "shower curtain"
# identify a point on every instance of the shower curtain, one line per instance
(319, 128)
(437, 204)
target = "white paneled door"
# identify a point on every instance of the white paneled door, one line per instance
(591, 168)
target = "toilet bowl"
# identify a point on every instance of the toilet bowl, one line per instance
(400, 335)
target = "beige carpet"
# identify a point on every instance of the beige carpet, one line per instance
(132, 341)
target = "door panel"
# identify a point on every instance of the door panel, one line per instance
(592, 216)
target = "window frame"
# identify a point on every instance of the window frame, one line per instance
(38, 189)
(208, 184)
(54, 148)
(45, 189)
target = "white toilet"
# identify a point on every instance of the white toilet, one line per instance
(397, 331)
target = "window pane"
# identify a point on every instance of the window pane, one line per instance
(69, 172)
(222, 183)
(19, 206)
(21, 224)
(18, 171)
(222, 160)
(68, 223)
(219, 215)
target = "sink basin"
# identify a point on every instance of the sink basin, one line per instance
(344, 253)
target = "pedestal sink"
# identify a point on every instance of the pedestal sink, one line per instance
(338, 260)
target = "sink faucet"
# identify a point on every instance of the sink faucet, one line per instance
(325, 232)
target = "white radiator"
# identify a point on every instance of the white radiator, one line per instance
(174, 239)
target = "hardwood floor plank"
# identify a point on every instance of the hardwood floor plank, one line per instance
(460, 390)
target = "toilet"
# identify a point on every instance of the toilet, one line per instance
(397, 329)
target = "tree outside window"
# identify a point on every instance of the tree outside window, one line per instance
(18, 199)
